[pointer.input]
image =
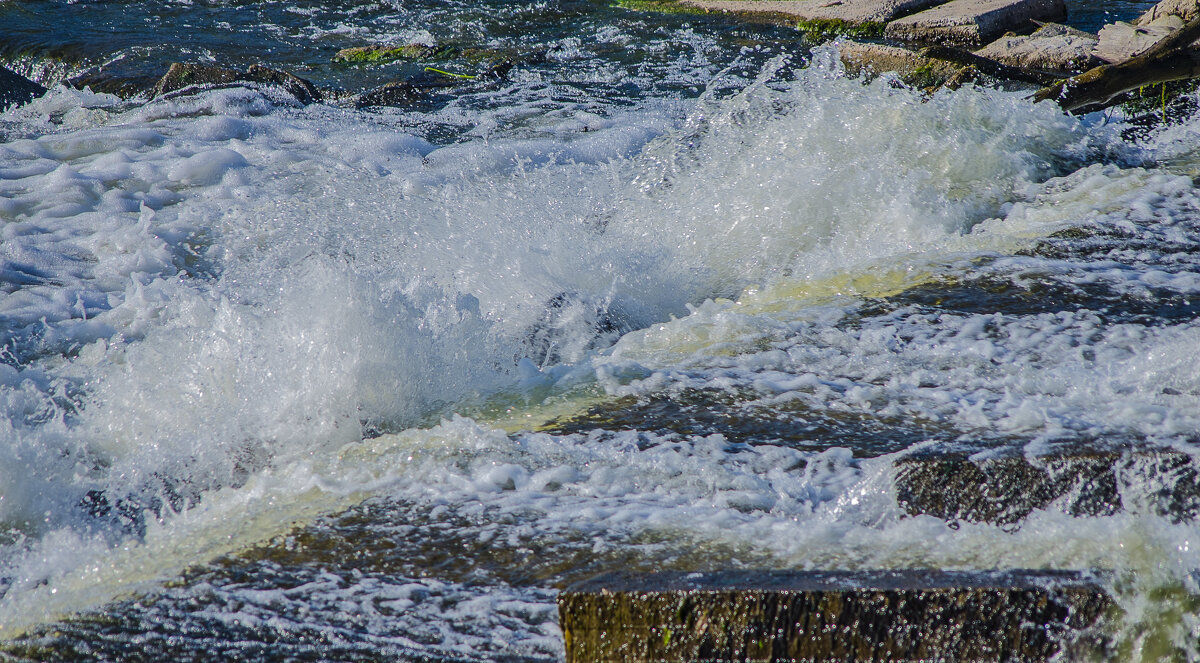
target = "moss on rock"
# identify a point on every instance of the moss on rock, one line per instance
(661, 6)
(377, 53)
(824, 29)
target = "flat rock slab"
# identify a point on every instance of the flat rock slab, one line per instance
(974, 22)
(834, 616)
(1184, 9)
(854, 12)
(866, 59)
(1052, 47)
(1121, 41)
(1004, 490)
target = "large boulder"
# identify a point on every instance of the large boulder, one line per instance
(186, 75)
(15, 89)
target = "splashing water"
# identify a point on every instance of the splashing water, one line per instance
(248, 339)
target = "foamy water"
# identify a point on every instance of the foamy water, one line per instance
(237, 326)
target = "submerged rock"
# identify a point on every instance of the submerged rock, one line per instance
(15, 89)
(418, 87)
(382, 53)
(974, 22)
(185, 75)
(1005, 489)
(835, 616)
(1052, 47)
(740, 419)
(304, 91)
(396, 93)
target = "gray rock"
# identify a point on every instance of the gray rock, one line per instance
(1005, 489)
(1121, 41)
(396, 93)
(903, 615)
(1051, 47)
(1184, 9)
(304, 91)
(913, 68)
(15, 89)
(182, 76)
(849, 11)
(377, 53)
(974, 22)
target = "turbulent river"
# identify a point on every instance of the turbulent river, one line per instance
(322, 383)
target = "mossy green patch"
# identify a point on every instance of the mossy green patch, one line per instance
(824, 29)
(377, 54)
(926, 75)
(661, 6)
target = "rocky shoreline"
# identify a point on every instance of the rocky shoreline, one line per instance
(459, 69)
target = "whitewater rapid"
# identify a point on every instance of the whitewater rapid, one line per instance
(228, 317)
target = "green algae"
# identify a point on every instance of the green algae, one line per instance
(660, 6)
(379, 54)
(824, 29)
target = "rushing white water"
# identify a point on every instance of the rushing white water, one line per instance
(209, 300)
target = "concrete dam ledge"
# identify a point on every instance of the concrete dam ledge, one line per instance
(895, 615)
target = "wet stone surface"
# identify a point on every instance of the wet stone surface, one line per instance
(1031, 294)
(1007, 488)
(382, 581)
(834, 616)
(741, 421)
(467, 544)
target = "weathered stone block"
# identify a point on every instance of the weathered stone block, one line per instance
(1121, 41)
(1052, 47)
(849, 11)
(974, 22)
(915, 69)
(1186, 10)
(834, 616)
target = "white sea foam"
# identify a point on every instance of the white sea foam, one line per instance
(209, 299)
